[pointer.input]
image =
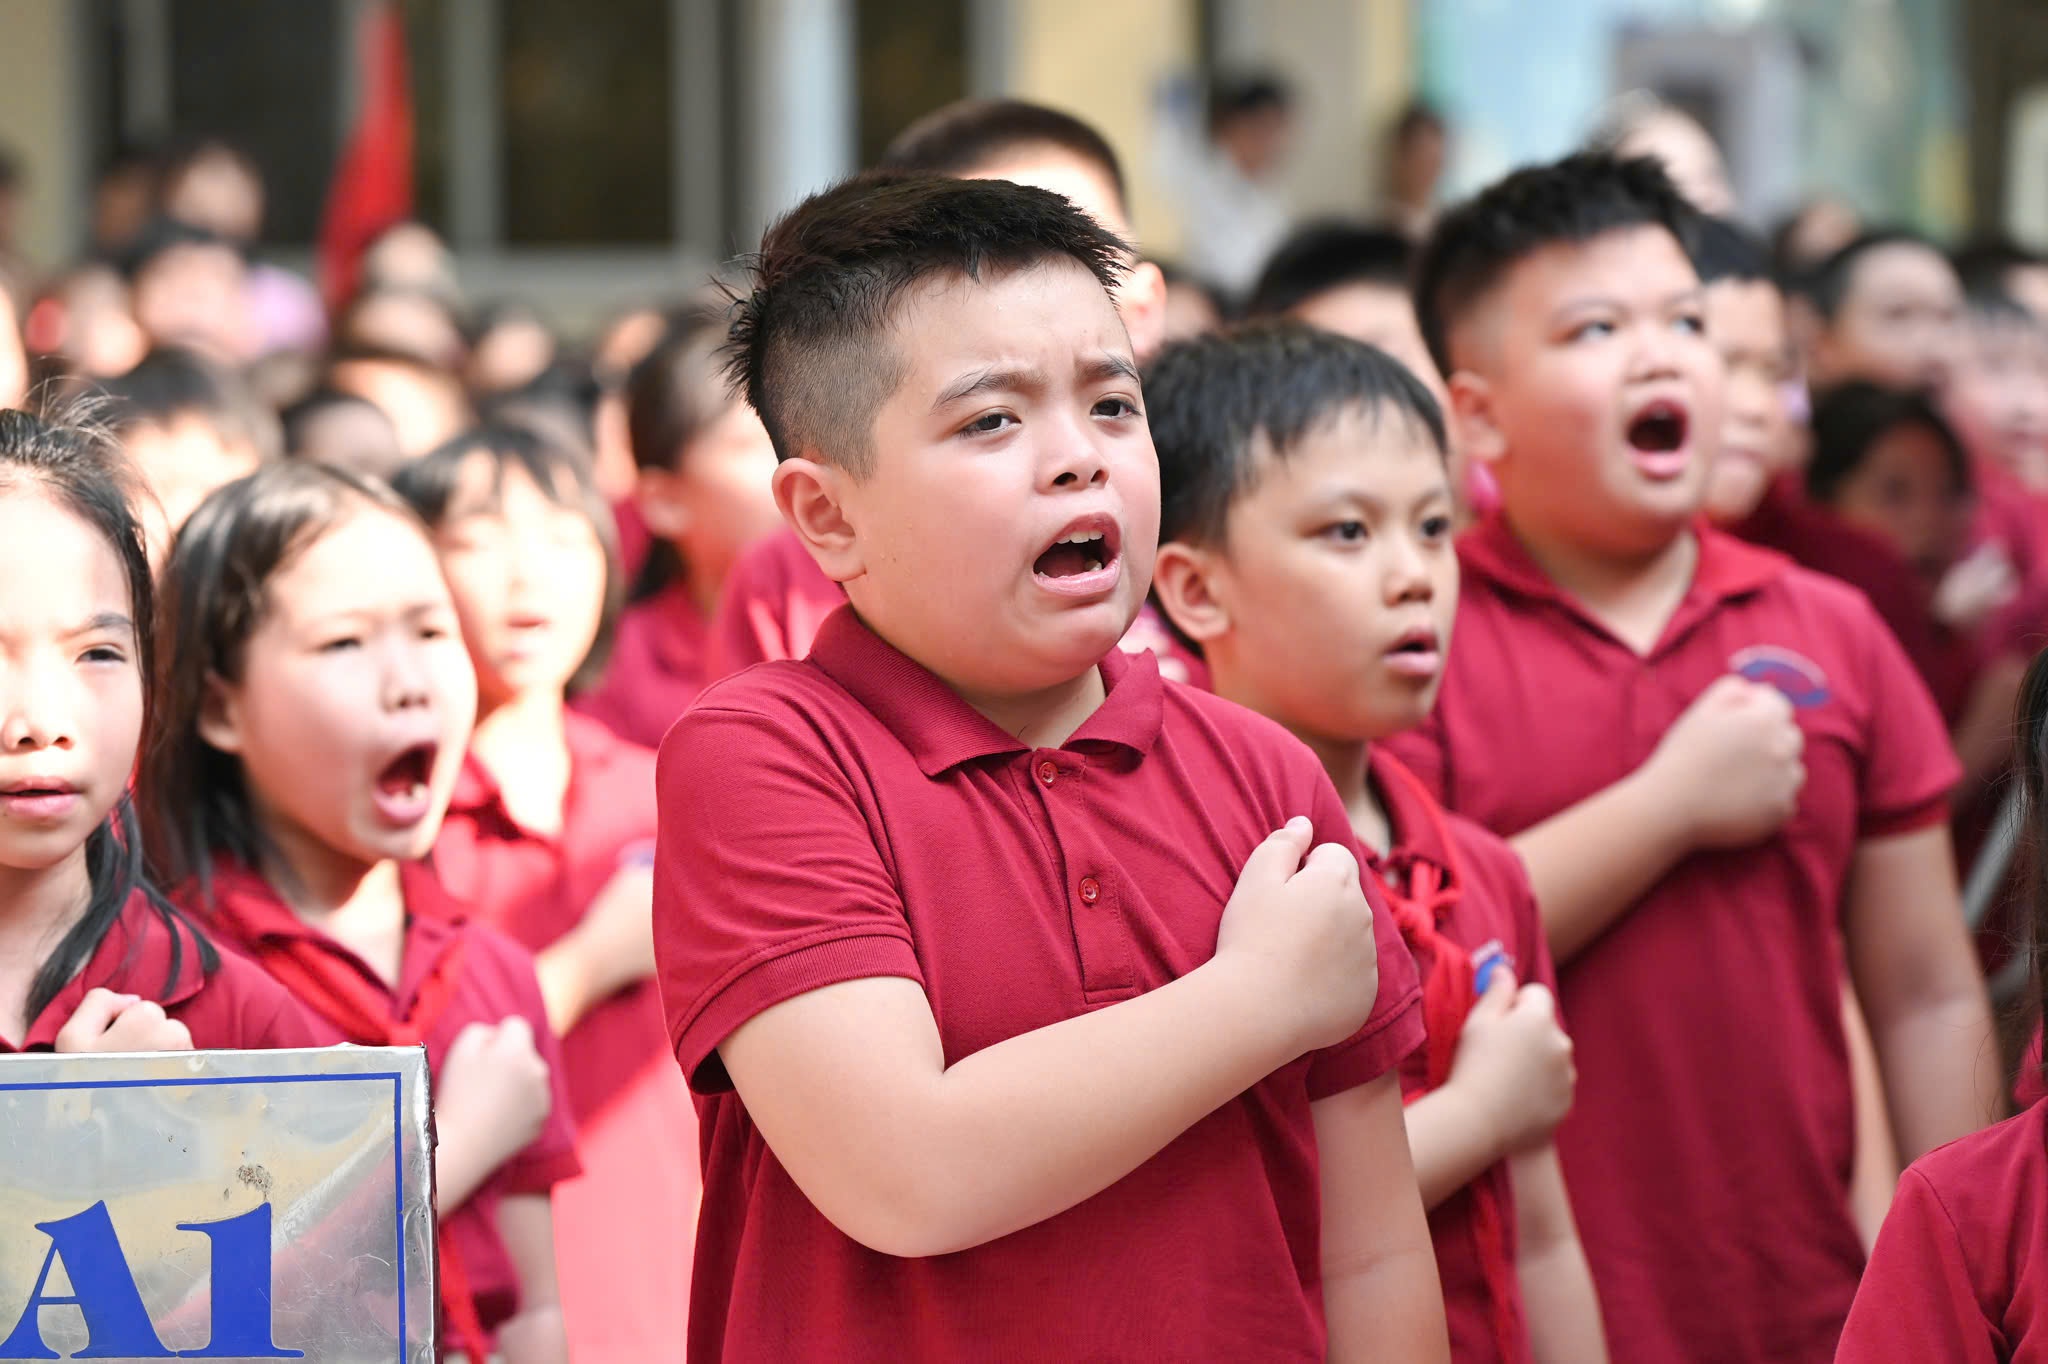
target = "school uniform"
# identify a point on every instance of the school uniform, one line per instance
(452, 973)
(1814, 537)
(624, 1227)
(661, 659)
(1461, 897)
(850, 816)
(236, 1006)
(1710, 1146)
(1960, 1272)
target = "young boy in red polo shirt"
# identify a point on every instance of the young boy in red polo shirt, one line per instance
(1013, 1021)
(1305, 544)
(1719, 769)
(775, 598)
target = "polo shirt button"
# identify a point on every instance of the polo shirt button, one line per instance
(1048, 771)
(1091, 890)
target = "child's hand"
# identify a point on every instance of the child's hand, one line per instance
(1731, 763)
(1306, 932)
(1974, 588)
(493, 1091)
(105, 1021)
(1515, 1063)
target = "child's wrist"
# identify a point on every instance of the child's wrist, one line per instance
(1477, 1114)
(1665, 804)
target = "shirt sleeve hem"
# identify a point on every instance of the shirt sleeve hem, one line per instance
(1904, 819)
(540, 1174)
(848, 955)
(1371, 1052)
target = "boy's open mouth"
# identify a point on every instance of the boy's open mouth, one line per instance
(1659, 429)
(1082, 553)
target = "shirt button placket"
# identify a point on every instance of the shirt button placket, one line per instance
(1048, 771)
(1091, 890)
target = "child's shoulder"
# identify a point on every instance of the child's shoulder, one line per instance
(1265, 754)
(1998, 1173)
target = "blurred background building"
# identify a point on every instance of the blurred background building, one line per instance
(576, 154)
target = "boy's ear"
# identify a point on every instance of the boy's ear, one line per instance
(1475, 422)
(811, 495)
(220, 720)
(1142, 301)
(662, 506)
(1185, 579)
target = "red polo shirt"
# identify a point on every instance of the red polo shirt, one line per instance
(1818, 539)
(660, 661)
(236, 1007)
(624, 1227)
(1710, 1146)
(496, 982)
(850, 816)
(1494, 911)
(1960, 1272)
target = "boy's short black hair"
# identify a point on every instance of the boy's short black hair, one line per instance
(1725, 250)
(1245, 94)
(1583, 196)
(1329, 255)
(1850, 418)
(1988, 262)
(1826, 285)
(810, 343)
(970, 134)
(1211, 398)
(170, 384)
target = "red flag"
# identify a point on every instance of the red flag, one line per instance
(372, 186)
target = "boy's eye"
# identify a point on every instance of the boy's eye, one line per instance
(1346, 532)
(1587, 331)
(341, 644)
(1692, 324)
(1116, 407)
(988, 423)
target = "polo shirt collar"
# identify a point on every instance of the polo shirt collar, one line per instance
(1727, 568)
(593, 751)
(941, 730)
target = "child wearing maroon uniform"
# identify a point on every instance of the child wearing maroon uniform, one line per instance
(704, 462)
(1011, 1018)
(1956, 1277)
(1306, 514)
(1718, 768)
(311, 634)
(95, 959)
(550, 834)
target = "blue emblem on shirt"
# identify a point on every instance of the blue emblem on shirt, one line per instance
(1798, 677)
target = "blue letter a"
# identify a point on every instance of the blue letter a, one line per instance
(241, 1288)
(102, 1289)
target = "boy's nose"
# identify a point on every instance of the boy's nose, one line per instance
(1079, 464)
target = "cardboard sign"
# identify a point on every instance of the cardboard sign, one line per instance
(217, 1205)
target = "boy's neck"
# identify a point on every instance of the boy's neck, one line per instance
(1633, 595)
(1043, 719)
(1348, 762)
(523, 743)
(37, 908)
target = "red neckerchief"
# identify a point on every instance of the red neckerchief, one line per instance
(1420, 891)
(327, 977)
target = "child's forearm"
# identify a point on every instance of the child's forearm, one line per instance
(535, 1334)
(461, 1164)
(1941, 1071)
(1452, 1140)
(944, 1158)
(1590, 862)
(1390, 1310)
(1558, 1298)
(1875, 1175)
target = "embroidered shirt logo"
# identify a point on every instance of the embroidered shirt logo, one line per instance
(1798, 677)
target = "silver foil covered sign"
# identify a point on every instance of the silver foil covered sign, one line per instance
(236, 1205)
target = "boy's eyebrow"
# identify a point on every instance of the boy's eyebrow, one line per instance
(1000, 379)
(1695, 294)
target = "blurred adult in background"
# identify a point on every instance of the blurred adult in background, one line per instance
(1641, 124)
(1418, 145)
(1232, 209)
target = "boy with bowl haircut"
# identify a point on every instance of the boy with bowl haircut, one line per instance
(1012, 1019)
(1305, 525)
(1718, 768)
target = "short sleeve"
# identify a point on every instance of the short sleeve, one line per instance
(1909, 767)
(1394, 1027)
(769, 880)
(549, 1158)
(1917, 1302)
